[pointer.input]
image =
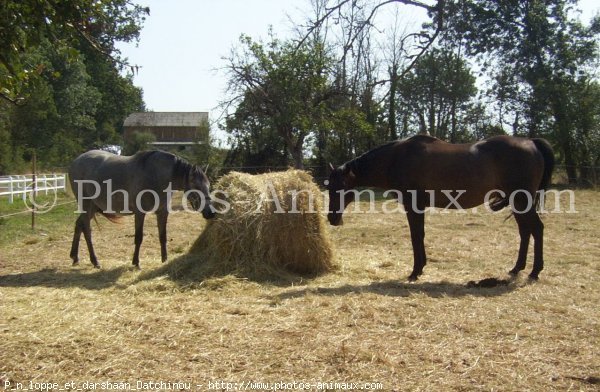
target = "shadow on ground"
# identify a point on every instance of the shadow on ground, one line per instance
(54, 278)
(190, 272)
(395, 288)
(192, 269)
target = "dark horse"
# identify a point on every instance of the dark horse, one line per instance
(427, 172)
(114, 185)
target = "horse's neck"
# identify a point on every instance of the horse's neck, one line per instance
(181, 170)
(368, 171)
(178, 181)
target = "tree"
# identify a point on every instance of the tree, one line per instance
(256, 145)
(140, 141)
(62, 85)
(282, 87)
(69, 24)
(587, 130)
(59, 110)
(436, 94)
(352, 25)
(547, 50)
(356, 20)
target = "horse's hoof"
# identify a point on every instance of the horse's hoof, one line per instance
(75, 263)
(413, 278)
(514, 272)
(534, 277)
(97, 266)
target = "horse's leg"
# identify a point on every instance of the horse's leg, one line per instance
(139, 237)
(76, 237)
(538, 247)
(524, 233)
(416, 222)
(87, 234)
(161, 217)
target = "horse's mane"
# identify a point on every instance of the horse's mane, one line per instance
(142, 157)
(360, 163)
(181, 168)
(184, 169)
(423, 138)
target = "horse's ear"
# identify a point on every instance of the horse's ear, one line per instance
(206, 168)
(331, 168)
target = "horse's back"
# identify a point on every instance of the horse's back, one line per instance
(430, 163)
(517, 161)
(98, 165)
(96, 173)
(501, 162)
(502, 151)
(117, 180)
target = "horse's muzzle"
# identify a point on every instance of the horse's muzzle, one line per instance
(209, 213)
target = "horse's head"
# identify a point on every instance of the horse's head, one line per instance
(340, 180)
(197, 189)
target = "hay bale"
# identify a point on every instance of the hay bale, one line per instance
(273, 226)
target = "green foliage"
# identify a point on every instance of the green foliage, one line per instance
(70, 24)
(62, 88)
(542, 56)
(436, 95)
(205, 153)
(291, 105)
(255, 143)
(119, 98)
(282, 88)
(140, 141)
(58, 112)
(201, 151)
(349, 134)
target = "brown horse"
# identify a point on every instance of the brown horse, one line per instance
(428, 172)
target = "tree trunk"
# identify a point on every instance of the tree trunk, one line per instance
(570, 163)
(564, 132)
(298, 159)
(296, 151)
(321, 147)
(422, 124)
(392, 108)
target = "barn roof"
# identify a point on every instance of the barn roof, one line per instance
(165, 119)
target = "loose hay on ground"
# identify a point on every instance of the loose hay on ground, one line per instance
(272, 227)
(361, 323)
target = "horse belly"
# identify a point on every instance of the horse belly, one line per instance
(456, 198)
(459, 189)
(115, 196)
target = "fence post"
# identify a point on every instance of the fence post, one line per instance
(10, 189)
(24, 188)
(34, 190)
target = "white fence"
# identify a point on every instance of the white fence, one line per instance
(20, 186)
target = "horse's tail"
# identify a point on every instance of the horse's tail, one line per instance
(114, 218)
(545, 149)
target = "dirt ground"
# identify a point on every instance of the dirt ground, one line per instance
(362, 326)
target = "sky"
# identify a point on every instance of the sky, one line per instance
(183, 42)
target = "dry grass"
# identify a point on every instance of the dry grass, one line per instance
(362, 322)
(271, 229)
